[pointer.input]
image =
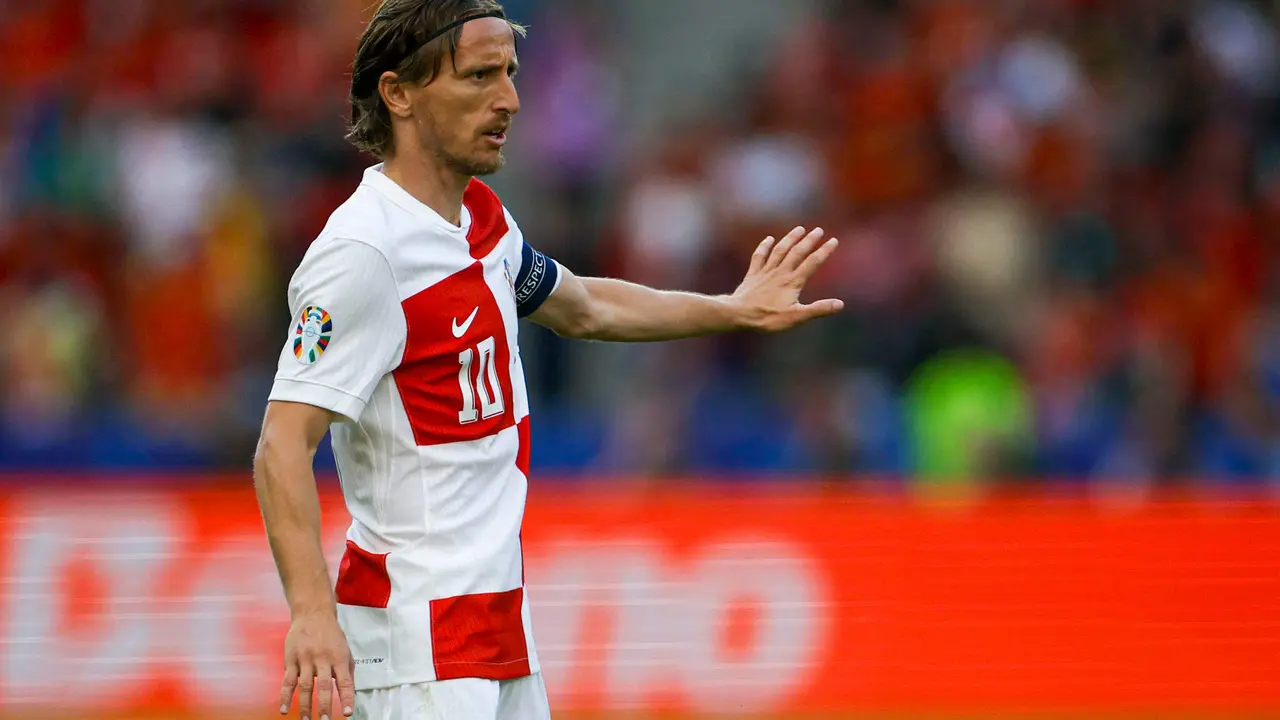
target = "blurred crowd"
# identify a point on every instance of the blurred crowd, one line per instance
(1060, 226)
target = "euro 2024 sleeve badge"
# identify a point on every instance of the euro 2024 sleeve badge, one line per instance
(511, 280)
(312, 334)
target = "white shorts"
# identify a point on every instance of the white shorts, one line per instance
(464, 699)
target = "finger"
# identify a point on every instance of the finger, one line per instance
(761, 255)
(345, 675)
(816, 258)
(324, 689)
(288, 686)
(803, 249)
(821, 308)
(780, 250)
(306, 685)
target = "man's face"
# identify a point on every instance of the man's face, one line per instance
(462, 115)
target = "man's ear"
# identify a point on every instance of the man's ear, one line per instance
(395, 94)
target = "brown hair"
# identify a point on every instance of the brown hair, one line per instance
(393, 41)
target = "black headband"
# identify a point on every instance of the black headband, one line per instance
(367, 82)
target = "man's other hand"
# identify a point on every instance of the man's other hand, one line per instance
(316, 656)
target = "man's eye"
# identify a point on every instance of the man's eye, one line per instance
(478, 75)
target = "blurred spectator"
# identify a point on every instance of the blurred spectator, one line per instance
(970, 419)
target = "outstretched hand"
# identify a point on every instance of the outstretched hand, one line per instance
(769, 295)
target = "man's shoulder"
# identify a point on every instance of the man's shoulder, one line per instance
(358, 234)
(366, 217)
(370, 218)
(378, 220)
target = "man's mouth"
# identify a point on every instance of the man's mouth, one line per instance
(497, 137)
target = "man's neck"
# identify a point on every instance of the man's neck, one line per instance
(431, 184)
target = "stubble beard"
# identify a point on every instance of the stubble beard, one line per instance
(434, 137)
(467, 165)
(471, 166)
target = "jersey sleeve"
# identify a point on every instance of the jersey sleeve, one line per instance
(538, 278)
(348, 328)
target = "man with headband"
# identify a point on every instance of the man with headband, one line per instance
(403, 345)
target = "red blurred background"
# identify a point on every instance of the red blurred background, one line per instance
(803, 601)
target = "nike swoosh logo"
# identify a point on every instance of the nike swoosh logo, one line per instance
(460, 330)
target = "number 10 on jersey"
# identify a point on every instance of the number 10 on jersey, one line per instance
(484, 389)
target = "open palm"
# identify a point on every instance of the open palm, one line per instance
(770, 293)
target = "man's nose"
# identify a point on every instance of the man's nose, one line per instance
(508, 100)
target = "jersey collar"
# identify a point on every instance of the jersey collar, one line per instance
(388, 188)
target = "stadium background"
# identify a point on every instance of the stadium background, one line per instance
(1030, 469)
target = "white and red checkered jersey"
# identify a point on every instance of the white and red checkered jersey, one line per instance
(405, 325)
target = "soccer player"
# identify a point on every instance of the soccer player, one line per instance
(404, 347)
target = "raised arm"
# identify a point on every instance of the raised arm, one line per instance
(767, 300)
